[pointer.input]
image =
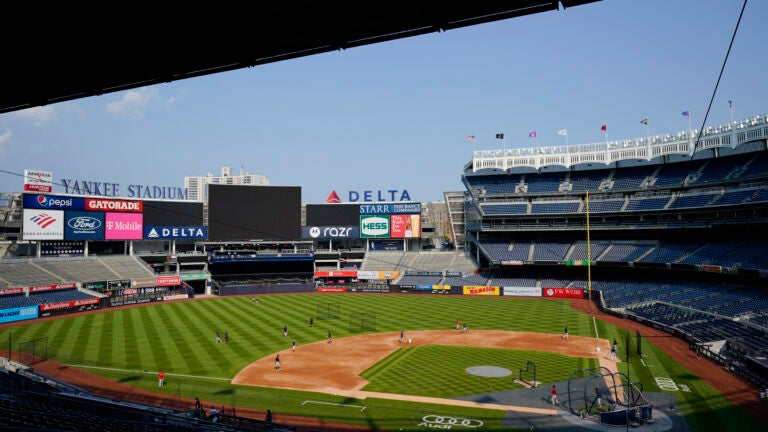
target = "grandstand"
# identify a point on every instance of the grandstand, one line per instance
(671, 242)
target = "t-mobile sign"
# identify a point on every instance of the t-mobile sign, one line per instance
(124, 226)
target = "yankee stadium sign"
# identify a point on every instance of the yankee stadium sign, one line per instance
(87, 187)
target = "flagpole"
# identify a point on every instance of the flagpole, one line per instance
(691, 150)
(730, 105)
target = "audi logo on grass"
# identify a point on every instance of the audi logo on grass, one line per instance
(444, 422)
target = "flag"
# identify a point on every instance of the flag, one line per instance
(471, 138)
(562, 132)
(532, 134)
(604, 128)
(686, 113)
(500, 136)
(644, 121)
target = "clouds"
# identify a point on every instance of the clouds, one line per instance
(134, 102)
(5, 139)
(37, 116)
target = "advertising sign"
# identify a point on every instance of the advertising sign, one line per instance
(391, 208)
(18, 314)
(167, 281)
(38, 181)
(481, 290)
(123, 226)
(123, 206)
(386, 245)
(326, 232)
(522, 291)
(95, 286)
(53, 202)
(563, 292)
(119, 284)
(380, 274)
(405, 226)
(155, 232)
(7, 291)
(336, 273)
(80, 225)
(374, 226)
(45, 307)
(43, 225)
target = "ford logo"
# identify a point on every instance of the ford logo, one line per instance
(84, 223)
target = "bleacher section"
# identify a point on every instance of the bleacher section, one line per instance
(48, 271)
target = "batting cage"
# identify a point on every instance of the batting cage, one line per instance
(528, 375)
(362, 321)
(328, 311)
(607, 398)
(31, 352)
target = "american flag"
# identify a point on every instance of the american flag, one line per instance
(471, 138)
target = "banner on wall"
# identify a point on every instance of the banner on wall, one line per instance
(124, 226)
(42, 225)
(563, 292)
(481, 290)
(80, 225)
(374, 226)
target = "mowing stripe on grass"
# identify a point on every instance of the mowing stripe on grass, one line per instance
(149, 372)
(362, 408)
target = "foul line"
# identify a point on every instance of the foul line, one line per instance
(362, 408)
(149, 372)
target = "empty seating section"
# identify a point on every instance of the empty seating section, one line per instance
(76, 269)
(382, 260)
(707, 253)
(21, 273)
(50, 271)
(583, 251)
(646, 203)
(59, 296)
(674, 174)
(735, 197)
(504, 209)
(545, 183)
(545, 207)
(720, 169)
(631, 177)
(693, 200)
(495, 185)
(498, 249)
(605, 206)
(550, 250)
(420, 280)
(670, 251)
(16, 301)
(667, 314)
(587, 180)
(126, 267)
(512, 282)
(467, 280)
(747, 252)
(432, 261)
(757, 167)
(624, 252)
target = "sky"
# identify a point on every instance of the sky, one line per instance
(397, 115)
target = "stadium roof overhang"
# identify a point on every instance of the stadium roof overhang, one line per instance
(55, 55)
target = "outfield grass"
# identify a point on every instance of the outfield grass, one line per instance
(131, 345)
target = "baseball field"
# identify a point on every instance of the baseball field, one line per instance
(363, 376)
